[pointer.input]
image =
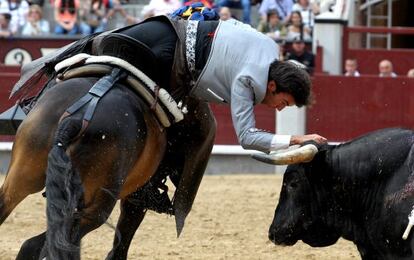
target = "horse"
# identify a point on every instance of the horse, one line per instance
(85, 170)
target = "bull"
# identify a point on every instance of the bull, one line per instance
(362, 191)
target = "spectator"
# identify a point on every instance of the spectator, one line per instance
(159, 7)
(206, 3)
(225, 13)
(300, 54)
(5, 29)
(307, 10)
(66, 12)
(35, 24)
(272, 27)
(36, 2)
(351, 66)
(241, 4)
(296, 28)
(283, 8)
(118, 8)
(18, 10)
(386, 69)
(94, 15)
(410, 73)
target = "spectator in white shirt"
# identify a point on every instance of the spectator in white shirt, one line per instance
(35, 24)
(160, 7)
(410, 73)
(351, 66)
(307, 10)
(18, 9)
(386, 69)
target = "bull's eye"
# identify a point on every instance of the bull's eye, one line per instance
(294, 185)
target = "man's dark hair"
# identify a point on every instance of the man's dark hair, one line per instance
(293, 79)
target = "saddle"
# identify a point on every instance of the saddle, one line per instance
(132, 51)
(132, 56)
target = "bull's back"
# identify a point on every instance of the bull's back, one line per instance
(378, 153)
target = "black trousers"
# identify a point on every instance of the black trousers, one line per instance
(161, 38)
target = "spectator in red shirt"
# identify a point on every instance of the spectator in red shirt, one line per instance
(66, 12)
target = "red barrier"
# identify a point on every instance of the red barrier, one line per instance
(265, 117)
(347, 107)
(368, 59)
(21, 49)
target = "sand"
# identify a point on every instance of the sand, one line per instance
(229, 220)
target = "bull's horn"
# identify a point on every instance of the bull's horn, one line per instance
(301, 154)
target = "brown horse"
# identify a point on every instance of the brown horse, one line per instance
(123, 148)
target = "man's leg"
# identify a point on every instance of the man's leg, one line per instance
(246, 10)
(189, 146)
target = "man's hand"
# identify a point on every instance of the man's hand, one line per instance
(299, 139)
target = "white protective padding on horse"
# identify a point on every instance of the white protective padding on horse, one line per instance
(302, 154)
(144, 93)
(71, 61)
(164, 96)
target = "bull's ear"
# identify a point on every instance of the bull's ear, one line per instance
(305, 153)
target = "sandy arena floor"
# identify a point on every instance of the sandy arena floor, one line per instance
(229, 220)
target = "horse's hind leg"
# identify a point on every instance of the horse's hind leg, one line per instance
(26, 174)
(188, 149)
(31, 248)
(93, 216)
(128, 222)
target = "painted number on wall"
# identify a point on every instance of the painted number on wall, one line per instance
(17, 56)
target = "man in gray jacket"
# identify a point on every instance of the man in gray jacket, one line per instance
(218, 61)
(229, 62)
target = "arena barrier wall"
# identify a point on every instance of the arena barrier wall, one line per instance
(347, 107)
(354, 41)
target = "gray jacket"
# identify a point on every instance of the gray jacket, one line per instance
(236, 73)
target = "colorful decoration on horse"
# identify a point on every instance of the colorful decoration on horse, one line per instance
(196, 11)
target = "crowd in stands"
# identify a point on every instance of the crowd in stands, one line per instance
(281, 19)
(284, 21)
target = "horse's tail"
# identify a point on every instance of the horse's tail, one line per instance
(64, 192)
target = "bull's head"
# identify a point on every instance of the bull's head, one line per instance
(297, 216)
(293, 211)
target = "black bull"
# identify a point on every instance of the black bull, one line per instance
(362, 191)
